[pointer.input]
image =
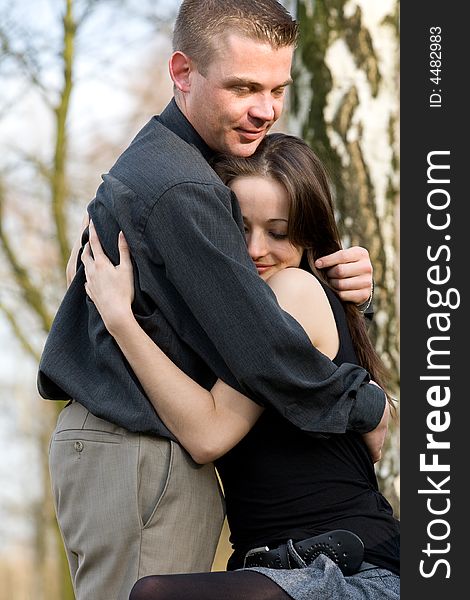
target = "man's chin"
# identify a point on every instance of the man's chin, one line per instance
(244, 149)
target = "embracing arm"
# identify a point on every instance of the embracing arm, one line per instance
(265, 354)
(191, 231)
(206, 423)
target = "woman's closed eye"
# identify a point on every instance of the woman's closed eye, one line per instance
(277, 235)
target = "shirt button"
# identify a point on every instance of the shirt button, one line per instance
(78, 446)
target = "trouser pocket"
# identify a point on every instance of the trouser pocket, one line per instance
(153, 475)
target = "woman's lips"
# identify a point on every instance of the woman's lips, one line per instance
(262, 268)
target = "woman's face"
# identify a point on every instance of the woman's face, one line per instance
(265, 208)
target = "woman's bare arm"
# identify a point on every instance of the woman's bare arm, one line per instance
(206, 423)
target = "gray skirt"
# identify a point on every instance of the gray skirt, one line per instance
(323, 580)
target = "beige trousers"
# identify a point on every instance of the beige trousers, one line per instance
(129, 505)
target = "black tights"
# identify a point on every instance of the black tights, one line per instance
(223, 585)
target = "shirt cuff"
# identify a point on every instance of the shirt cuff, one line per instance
(368, 408)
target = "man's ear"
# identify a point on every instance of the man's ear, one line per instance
(180, 69)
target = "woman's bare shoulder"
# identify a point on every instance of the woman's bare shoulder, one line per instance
(299, 293)
(293, 281)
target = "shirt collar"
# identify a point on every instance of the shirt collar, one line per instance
(174, 120)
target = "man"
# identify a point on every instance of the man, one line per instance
(129, 500)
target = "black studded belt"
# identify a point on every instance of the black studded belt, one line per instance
(343, 547)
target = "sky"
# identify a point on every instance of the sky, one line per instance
(115, 43)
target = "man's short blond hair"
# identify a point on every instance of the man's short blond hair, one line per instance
(201, 22)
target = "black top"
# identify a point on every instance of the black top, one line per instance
(282, 484)
(199, 297)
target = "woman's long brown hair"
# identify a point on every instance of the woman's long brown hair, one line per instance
(312, 225)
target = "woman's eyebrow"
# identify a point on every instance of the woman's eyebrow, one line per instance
(270, 220)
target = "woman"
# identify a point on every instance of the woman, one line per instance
(283, 488)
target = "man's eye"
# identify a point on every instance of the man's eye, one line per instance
(241, 89)
(279, 92)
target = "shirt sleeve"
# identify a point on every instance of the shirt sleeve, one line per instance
(271, 358)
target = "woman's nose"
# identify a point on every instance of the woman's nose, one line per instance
(256, 245)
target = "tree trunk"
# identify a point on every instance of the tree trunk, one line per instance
(345, 105)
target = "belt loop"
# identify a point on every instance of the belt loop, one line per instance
(295, 555)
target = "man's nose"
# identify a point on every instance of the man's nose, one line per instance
(263, 108)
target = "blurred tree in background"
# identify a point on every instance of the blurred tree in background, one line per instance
(49, 171)
(78, 85)
(345, 105)
(39, 213)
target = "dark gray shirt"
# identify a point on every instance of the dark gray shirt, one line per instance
(197, 295)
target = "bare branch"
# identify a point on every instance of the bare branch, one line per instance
(30, 293)
(28, 63)
(19, 334)
(86, 12)
(31, 159)
(8, 105)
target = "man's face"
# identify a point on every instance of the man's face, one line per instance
(241, 94)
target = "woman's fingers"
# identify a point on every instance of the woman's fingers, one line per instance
(97, 252)
(124, 253)
(87, 261)
(103, 279)
(86, 255)
(95, 243)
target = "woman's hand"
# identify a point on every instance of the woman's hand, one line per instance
(207, 423)
(110, 287)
